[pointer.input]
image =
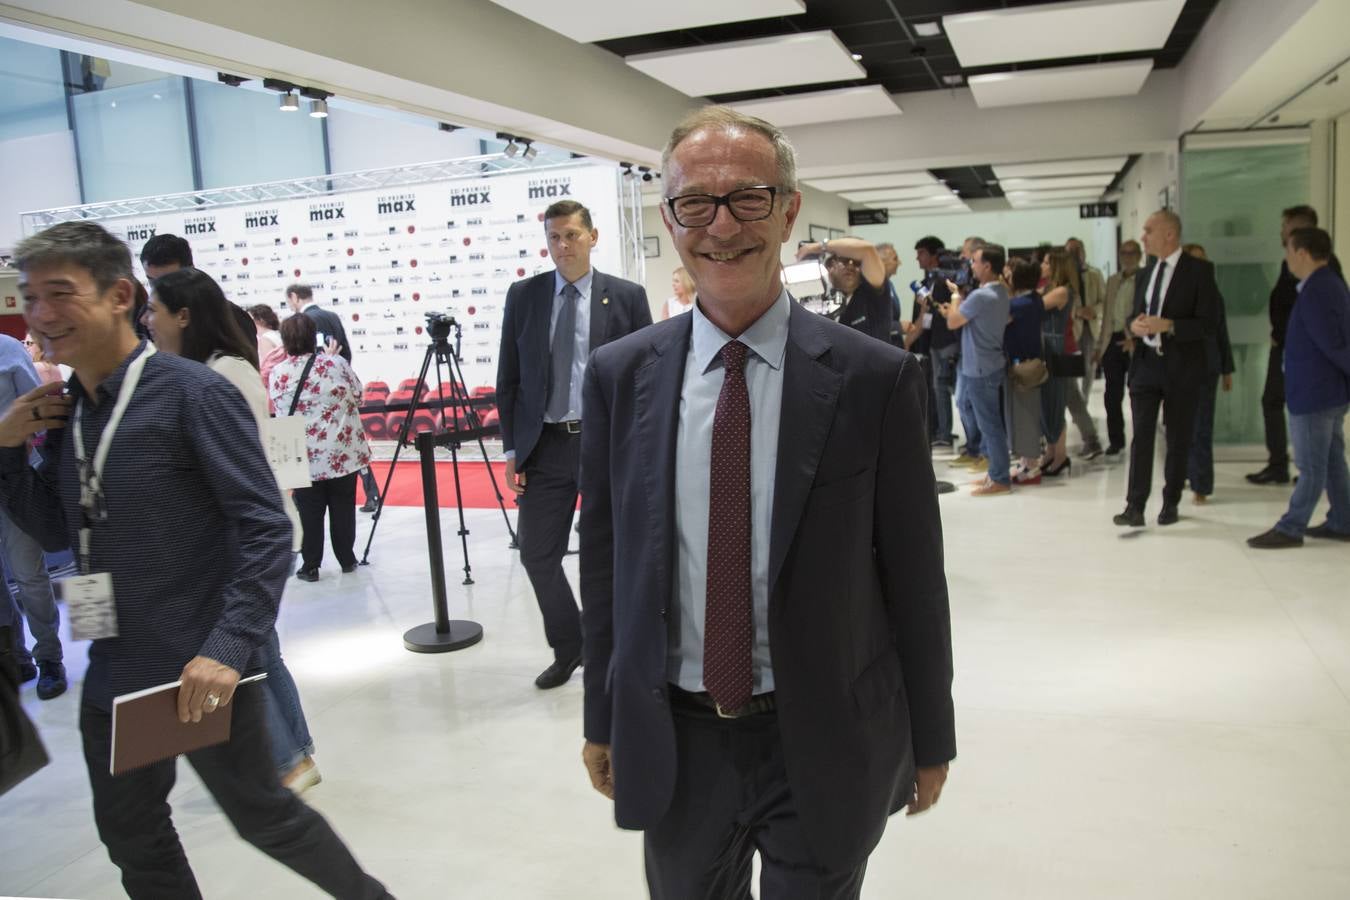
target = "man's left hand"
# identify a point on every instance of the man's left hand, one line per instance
(928, 784)
(1152, 325)
(1227, 382)
(207, 686)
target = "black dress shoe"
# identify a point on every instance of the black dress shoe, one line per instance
(557, 674)
(349, 569)
(52, 681)
(370, 505)
(945, 487)
(1325, 531)
(1133, 517)
(1114, 449)
(1269, 475)
(1274, 539)
(27, 671)
(308, 574)
(1168, 514)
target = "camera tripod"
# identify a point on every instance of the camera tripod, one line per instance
(439, 349)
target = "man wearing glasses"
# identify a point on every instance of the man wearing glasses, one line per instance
(768, 651)
(858, 277)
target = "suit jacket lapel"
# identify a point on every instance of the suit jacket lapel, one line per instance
(600, 304)
(541, 309)
(656, 400)
(810, 391)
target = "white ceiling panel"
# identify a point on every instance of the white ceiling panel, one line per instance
(1096, 166)
(1059, 30)
(912, 193)
(909, 210)
(1060, 83)
(1050, 184)
(1033, 196)
(843, 105)
(758, 64)
(949, 203)
(866, 182)
(602, 20)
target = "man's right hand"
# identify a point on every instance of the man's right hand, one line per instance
(596, 758)
(514, 480)
(42, 408)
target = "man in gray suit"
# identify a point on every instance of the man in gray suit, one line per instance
(767, 637)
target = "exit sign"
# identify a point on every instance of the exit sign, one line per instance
(868, 217)
(1097, 211)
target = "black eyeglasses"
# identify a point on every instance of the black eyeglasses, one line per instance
(748, 204)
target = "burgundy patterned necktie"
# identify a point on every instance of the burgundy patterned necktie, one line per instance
(728, 628)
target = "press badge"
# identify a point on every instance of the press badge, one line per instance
(89, 606)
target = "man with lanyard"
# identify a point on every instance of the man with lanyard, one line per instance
(857, 275)
(183, 550)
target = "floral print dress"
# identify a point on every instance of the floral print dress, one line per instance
(330, 404)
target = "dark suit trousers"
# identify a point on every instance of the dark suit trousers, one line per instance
(543, 529)
(1115, 368)
(132, 811)
(731, 799)
(1272, 409)
(337, 498)
(1151, 390)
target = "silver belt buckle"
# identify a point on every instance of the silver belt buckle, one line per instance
(573, 426)
(724, 714)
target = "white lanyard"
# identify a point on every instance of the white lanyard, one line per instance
(91, 477)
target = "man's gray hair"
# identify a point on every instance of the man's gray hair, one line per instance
(85, 244)
(975, 242)
(726, 119)
(1171, 219)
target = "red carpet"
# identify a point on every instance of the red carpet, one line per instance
(406, 488)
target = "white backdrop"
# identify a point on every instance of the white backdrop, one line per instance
(382, 259)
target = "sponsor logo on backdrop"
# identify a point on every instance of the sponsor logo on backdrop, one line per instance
(259, 220)
(200, 225)
(396, 205)
(470, 197)
(550, 188)
(328, 211)
(141, 232)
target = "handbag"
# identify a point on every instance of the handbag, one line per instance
(1029, 374)
(21, 750)
(1067, 365)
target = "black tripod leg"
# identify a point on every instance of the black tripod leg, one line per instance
(471, 416)
(454, 465)
(398, 448)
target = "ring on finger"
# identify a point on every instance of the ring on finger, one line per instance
(37, 416)
(212, 701)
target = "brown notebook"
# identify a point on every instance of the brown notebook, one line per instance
(145, 727)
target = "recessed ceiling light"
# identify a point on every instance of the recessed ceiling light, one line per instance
(928, 29)
(953, 79)
(856, 56)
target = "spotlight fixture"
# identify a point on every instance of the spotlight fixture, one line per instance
(447, 127)
(290, 102)
(231, 80)
(318, 109)
(512, 148)
(646, 172)
(530, 150)
(628, 171)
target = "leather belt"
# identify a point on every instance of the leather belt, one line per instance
(570, 427)
(702, 700)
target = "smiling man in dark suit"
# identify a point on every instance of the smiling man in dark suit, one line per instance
(1176, 313)
(551, 324)
(768, 648)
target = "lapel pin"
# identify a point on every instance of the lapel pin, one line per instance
(604, 302)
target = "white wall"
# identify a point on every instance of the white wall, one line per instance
(1140, 193)
(818, 208)
(357, 142)
(40, 173)
(1340, 191)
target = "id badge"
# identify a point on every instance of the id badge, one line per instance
(927, 320)
(90, 606)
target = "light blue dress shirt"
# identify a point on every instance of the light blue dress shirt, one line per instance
(582, 341)
(17, 374)
(703, 376)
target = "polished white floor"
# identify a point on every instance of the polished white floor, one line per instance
(1153, 714)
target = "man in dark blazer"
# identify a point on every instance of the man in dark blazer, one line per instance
(1175, 317)
(551, 324)
(768, 650)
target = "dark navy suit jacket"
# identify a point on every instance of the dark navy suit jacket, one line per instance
(859, 630)
(618, 307)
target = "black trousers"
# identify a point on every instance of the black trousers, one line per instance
(369, 485)
(731, 799)
(1150, 391)
(132, 811)
(543, 528)
(337, 498)
(1272, 410)
(1115, 368)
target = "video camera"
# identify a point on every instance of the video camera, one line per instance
(951, 267)
(439, 325)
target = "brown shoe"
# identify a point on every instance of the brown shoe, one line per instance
(1201, 499)
(303, 777)
(991, 489)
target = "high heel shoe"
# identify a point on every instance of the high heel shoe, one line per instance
(1056, 471)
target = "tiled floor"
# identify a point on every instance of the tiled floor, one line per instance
(1153, 714)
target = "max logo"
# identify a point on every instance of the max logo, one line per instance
(199, 226)
(396, 206)
(327, 212)
(548, 189)
(470, 198)
(140, 232)
(261, 220)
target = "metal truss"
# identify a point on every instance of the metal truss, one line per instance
(315, 186)
(630, 230)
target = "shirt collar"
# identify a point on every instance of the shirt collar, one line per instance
(766, 338)
(1310, 277)
(1172, 258)
(583, 284)
(109, 386)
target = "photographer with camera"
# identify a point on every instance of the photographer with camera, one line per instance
(961, 281)
(858, 276)
(929, 335)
